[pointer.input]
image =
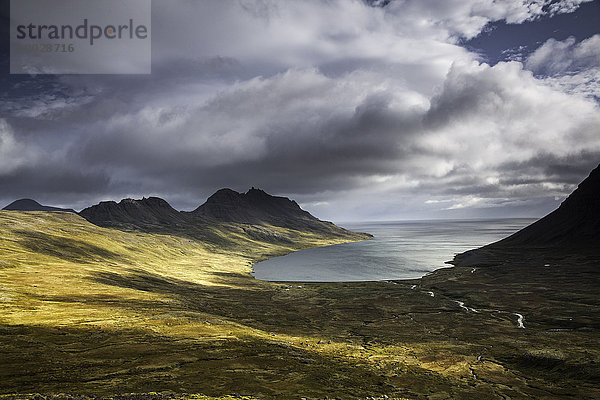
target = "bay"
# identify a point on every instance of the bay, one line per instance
(399, 250)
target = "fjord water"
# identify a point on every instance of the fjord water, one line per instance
(399, 250)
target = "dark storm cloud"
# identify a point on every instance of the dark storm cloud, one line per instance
(53, 179)
(54, 183)
(569, 168)
(379, 114)
(289, 137)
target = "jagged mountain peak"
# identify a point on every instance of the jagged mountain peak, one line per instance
(254, 206)
(148, 210)
(257, 192)
(148, 202)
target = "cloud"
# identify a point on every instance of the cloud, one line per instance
(461, 19)
(10, 149)
(489, 133)
(565, 57)
(569, 66)
(564, 7)
(274, 35)
(485, 117)
(296, 129)
(378, 115)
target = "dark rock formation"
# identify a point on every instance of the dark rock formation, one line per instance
(257, 207)
(147, 211)
(32, 205)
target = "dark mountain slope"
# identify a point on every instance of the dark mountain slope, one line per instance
(575, 223)
(32, 205)
(257, 207)
(573, 227)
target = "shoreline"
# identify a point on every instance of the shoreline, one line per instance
(445, 255)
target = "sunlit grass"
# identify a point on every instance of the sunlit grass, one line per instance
(61, 272)
(85, 309)
(47, 257)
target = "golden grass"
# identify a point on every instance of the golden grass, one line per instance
(85, 309)
(59, 271)
(51, 255)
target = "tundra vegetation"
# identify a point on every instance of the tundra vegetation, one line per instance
(88, 311)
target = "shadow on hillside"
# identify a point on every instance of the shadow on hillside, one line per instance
(242, 303)
(65, 248)
(38, 359)
(354, 312)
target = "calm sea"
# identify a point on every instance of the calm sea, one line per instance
(399, 250)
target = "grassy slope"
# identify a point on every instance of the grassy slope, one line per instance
(88, 310)
(49, 259)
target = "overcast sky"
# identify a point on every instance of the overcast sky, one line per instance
(406, 109)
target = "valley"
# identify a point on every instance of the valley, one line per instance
(152, 309)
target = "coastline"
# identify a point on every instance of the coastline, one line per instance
(401, 250)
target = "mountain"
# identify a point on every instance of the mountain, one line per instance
(573, 226)
(254, 214)
(32, 205)
(144, 212)
(258, 207)
(575, 223)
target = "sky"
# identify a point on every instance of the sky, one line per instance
(359, 110)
